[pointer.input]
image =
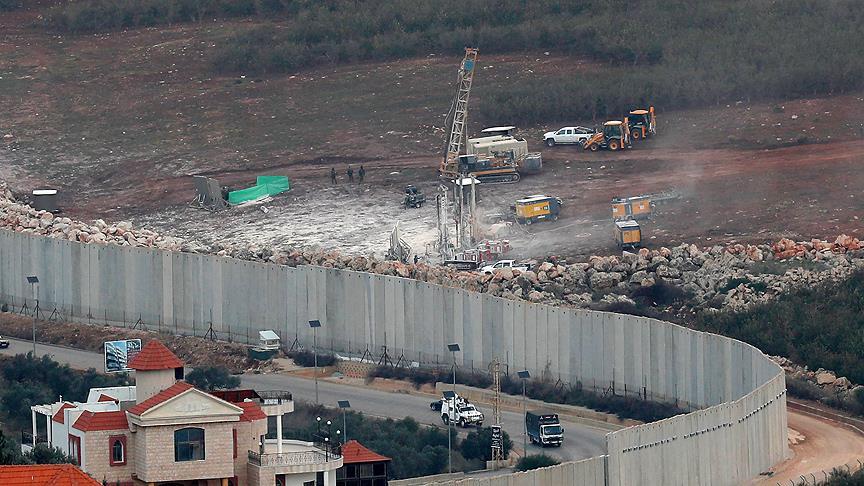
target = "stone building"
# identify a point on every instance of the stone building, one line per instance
(164, 431)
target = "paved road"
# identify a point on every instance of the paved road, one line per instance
(581, 440)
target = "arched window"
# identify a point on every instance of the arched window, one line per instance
(189, 444)
(117, 445)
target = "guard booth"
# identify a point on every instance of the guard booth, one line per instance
(628, 234)
(636, 207)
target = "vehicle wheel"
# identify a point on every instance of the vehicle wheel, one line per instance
(528, 221)
(516, 178)
(613, 145)
(531, 438)
(446, 419)
(636, 134)
(555, 217)
(550, 142)
(594, 147)
(462, 423)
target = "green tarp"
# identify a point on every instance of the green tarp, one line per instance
(265, 186)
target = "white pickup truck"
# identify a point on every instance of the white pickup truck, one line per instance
(568, 135)
(462, 413)
(501, 264)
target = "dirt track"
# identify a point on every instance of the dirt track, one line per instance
(817, 445)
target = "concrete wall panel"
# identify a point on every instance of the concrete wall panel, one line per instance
(737, 430)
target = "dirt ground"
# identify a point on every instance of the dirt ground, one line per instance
(817, 445)
(119, 122)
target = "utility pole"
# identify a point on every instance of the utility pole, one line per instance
(497, 439)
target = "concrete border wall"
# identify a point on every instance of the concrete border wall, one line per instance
(738, 428)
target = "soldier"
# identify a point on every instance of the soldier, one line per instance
(332, 175)
(350, 173)
(361, 173)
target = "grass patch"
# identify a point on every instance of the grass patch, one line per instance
(666, 53)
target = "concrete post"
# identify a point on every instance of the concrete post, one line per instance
(33, 423)
(48, 433)
(279, 433)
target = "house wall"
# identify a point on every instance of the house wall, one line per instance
(98, 454)
(154, 454)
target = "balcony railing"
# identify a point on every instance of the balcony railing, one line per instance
(318, 455)
(275, 397)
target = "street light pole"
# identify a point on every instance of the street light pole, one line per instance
(453, 348)
(315, 325)
(344, 404)
(524, 375)
(33, 280)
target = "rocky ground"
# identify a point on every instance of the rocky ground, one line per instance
(711, 279)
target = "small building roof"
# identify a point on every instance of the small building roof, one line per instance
(105, 398)
(91, 421)
(59, 416)
(353, 452)
(629, 224)
(251, 411)
(267, 335)
(45, 475)
(163, 396)
(155, 356)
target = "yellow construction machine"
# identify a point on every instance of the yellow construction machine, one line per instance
(643, 123)
(614, 136)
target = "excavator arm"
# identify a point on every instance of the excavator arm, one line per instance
(596, 138)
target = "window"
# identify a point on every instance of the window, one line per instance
(234, 433)
(309, 483)
(75, 448)
(188, 444)
(117, 445)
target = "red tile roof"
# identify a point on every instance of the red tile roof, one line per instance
(58, 417)
(155, 356)
(251, 411)
(45, 475)
(105, 398)
(353, 452)
(163, 396)
(90, 421)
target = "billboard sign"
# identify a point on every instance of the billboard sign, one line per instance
(496, 437)
(119, 353)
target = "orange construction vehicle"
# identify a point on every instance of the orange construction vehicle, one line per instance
(643, 123)
(614, 136)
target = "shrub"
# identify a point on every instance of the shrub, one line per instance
(478, 444)
(209, 378)
(305, 357)
(535, 461)
(423, 376)
(817, 327)
(661, 293)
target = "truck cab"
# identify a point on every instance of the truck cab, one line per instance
(544, 428)
(461, 412)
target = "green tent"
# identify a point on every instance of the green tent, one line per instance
(265, 186)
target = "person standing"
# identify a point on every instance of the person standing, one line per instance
(350, 173)
(361, 173)
(332, 175)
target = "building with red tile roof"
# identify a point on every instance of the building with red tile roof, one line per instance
(161, 397)
(45, 475)
(59, 416)
(92, 421)
(176, 433)
(155, 356)
(362, 466)
(354, 452)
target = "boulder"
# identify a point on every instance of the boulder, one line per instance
(604, 280)
(825, 378)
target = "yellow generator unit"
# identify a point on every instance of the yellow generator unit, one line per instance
(537, 208)
(637, 207)
(628, 234)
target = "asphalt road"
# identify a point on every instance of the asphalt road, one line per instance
(581, 440)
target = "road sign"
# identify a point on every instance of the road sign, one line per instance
(118, 354)
(496, 436)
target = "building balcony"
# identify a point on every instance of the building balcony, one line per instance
(296, 457)
(276, 402)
